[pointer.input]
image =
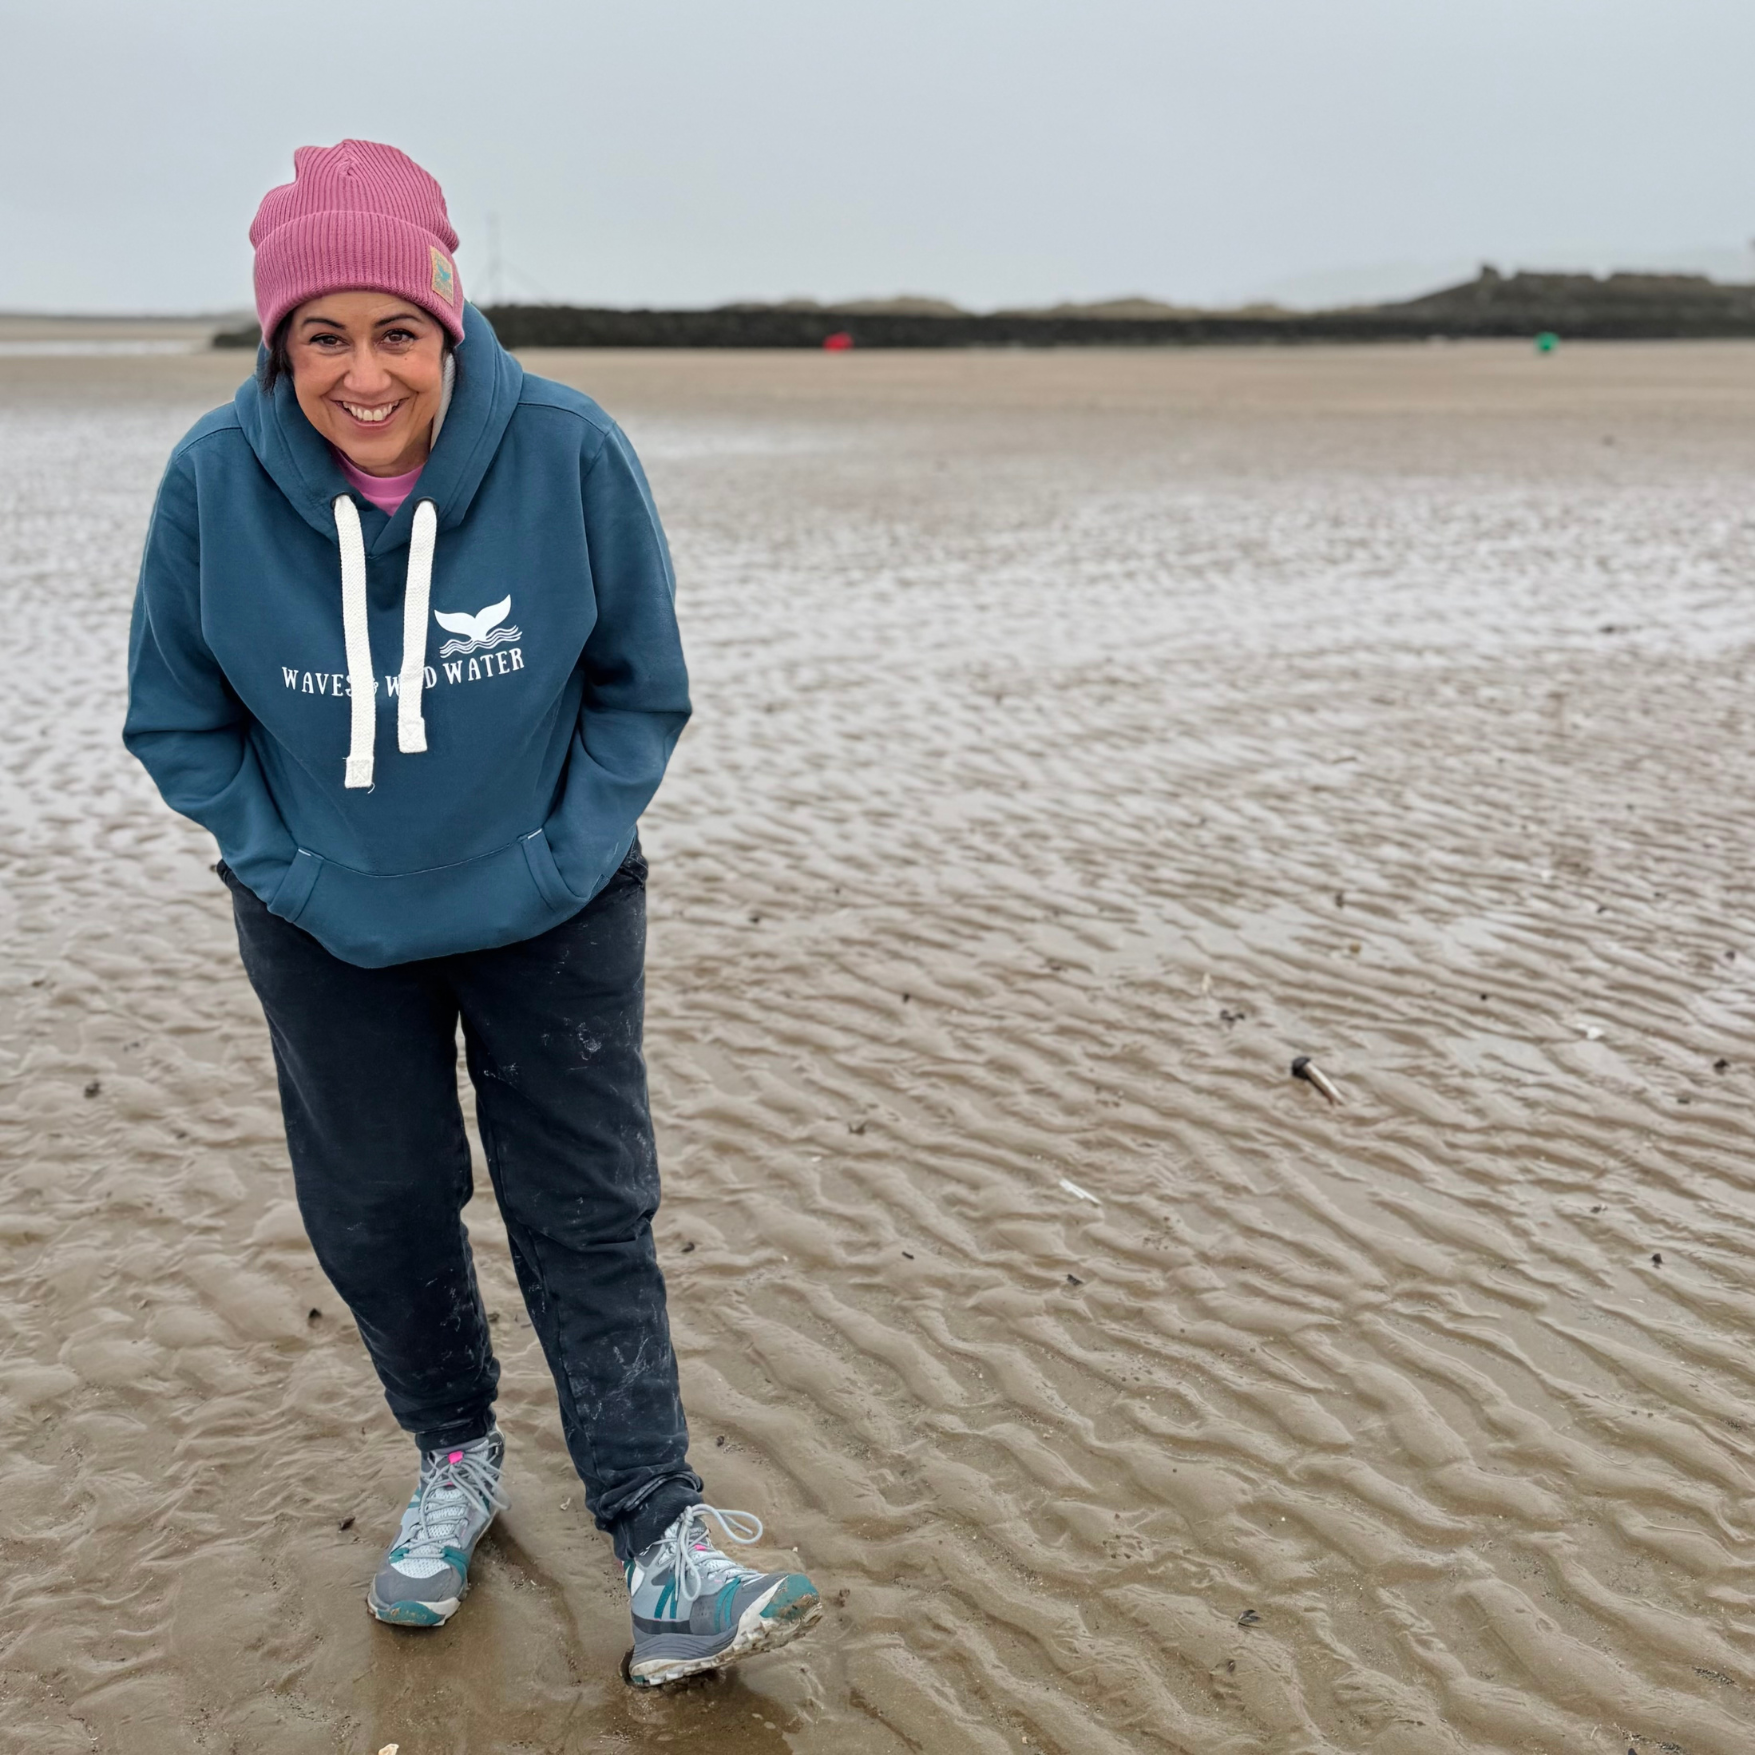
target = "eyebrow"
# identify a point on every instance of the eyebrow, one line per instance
(336, 323)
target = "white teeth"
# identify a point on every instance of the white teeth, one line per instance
(370, 415)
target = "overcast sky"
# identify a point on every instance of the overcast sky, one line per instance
(990, 151)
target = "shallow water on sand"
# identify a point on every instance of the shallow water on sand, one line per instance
(1079, 737)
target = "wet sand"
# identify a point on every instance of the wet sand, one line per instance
(1078, 739)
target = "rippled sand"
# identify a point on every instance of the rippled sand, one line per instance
(1079, 738)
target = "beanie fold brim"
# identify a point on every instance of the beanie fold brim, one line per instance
(344, 250)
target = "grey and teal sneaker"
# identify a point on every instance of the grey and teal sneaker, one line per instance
(426, 1572)
(696, 1609)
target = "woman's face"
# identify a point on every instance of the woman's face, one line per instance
(367, 369)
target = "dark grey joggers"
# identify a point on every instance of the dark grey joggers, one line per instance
(367, 1061)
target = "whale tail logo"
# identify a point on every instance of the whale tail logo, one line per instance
(480, 632)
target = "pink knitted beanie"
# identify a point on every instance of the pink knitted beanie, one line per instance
(356, 214)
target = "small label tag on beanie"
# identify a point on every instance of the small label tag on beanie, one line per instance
(444, 277)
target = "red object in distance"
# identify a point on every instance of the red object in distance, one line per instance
(839, 342)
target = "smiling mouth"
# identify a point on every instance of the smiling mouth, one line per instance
(371, 417)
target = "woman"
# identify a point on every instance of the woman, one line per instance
(404, 641)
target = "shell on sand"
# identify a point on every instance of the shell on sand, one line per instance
(1077, 736)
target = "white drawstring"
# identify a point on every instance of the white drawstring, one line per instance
(361, 684)
(411, 727)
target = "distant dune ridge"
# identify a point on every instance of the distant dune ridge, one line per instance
(1615, 307)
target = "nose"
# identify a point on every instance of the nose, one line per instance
(366, 376)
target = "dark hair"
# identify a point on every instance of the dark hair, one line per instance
(278, 365)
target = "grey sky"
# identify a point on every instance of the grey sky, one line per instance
(992, 151)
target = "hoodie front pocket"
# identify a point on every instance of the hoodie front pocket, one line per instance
(375, 919)
(546, 875)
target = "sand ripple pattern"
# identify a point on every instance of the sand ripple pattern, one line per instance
(1077, 740)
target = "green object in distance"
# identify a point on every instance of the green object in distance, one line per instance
(1547, 341)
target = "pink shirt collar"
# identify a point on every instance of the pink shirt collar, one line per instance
(386, 492)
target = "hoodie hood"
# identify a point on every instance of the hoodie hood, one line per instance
(298, 460)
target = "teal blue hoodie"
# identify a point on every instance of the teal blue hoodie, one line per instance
(554, 684)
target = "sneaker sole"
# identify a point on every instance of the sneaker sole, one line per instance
(757, 1631)
(414, 1614)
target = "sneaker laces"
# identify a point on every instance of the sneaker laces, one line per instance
(675, 1549)
(452, 1485)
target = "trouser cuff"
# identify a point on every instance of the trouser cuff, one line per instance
(652, 1517)
(458, 1433)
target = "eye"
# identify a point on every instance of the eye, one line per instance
(401, 337)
